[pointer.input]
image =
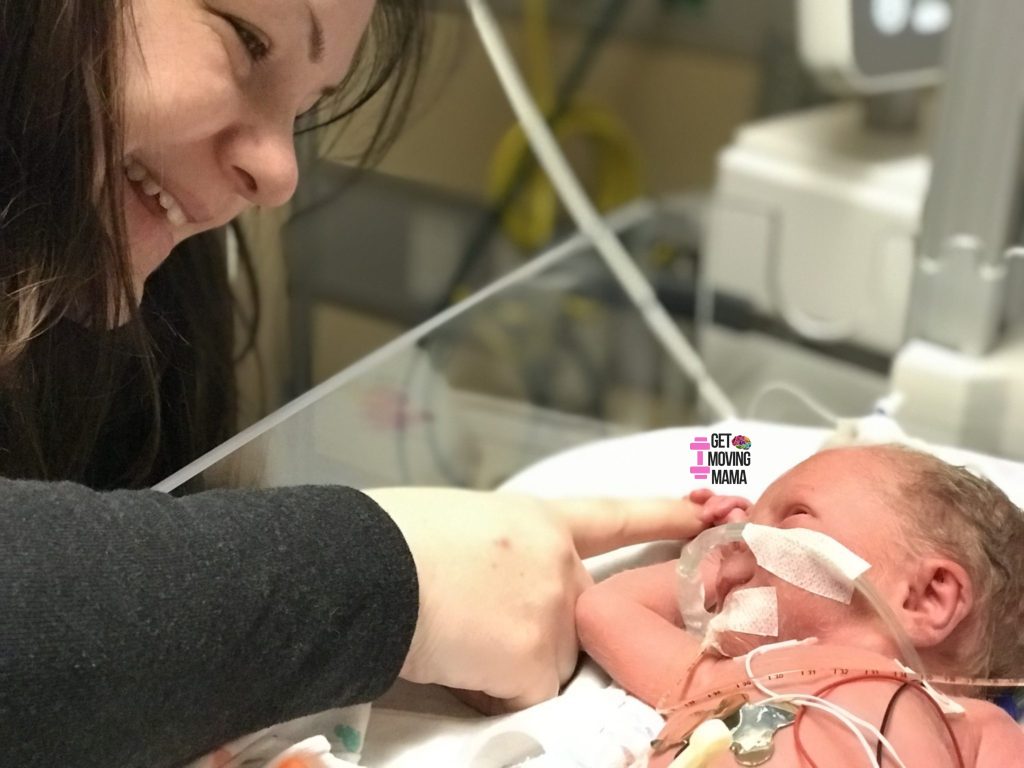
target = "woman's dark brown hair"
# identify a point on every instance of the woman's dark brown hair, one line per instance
(94, 386)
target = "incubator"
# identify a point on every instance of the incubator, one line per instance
(552, 356)
(546, 383)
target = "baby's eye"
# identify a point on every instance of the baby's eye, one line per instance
(798, 514)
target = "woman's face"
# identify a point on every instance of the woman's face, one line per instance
(212, 91)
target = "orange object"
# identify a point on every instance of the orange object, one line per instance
(293, 762)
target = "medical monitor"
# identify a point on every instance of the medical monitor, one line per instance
(873, 46)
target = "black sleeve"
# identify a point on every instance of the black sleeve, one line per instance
(137, 629)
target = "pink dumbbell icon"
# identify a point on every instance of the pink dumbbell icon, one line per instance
(700, 470)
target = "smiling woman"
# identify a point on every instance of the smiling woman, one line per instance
(143, 630)
(131, 132)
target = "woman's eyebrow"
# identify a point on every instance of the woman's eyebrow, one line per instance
(316, 36)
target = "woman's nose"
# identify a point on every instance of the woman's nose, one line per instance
(262, 166)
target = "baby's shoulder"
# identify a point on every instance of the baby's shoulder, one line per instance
(1000, 739)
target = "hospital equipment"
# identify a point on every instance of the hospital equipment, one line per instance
(711, 739)
(878, 46)
(885, 230)
(587, 218)
(753, 737)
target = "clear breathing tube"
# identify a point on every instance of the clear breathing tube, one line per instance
(910, 655)
(690, 580)
(692, 594)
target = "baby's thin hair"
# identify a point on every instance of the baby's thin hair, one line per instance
(969, 519)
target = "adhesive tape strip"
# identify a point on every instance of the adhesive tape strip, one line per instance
(808, 559)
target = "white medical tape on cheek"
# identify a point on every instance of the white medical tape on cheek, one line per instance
(807, 559)
(753, 611)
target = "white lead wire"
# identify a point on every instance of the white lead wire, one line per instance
(850, 720)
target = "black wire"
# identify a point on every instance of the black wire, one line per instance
(889, 709)
(481, 238)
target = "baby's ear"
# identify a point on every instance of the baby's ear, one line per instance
(936, 599)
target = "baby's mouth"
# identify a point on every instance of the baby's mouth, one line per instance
(149, 189)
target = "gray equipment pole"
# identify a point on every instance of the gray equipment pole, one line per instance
(972, 213)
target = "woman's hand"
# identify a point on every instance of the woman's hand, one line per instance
(499, 576)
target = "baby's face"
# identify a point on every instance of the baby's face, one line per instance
(848, 495)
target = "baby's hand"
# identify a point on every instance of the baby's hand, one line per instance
(719, 510)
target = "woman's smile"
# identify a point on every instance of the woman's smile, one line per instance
(156, 199)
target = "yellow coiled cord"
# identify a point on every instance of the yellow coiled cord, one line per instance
(529, 220)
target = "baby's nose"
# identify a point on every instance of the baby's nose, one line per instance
(737, 568)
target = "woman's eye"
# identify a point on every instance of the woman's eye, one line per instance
(254, 45)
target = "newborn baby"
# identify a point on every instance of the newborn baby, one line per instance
(946, 551)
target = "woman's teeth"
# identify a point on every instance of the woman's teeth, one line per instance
(137, 173)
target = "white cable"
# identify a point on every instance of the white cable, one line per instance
(811, 403)
(586, 216)
(850, 720)
(813, 703)
(806, 700)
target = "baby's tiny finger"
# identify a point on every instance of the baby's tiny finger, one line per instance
(738, 515)
(711, 512)
(736, 501)
(719, 507)
(701, 495)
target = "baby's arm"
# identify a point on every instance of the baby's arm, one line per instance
(630, 625)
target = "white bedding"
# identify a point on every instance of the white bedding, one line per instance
(416, 726)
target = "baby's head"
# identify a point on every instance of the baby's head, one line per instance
(946, 550)
(952, 513)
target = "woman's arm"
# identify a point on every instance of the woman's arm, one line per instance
(140, 629)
